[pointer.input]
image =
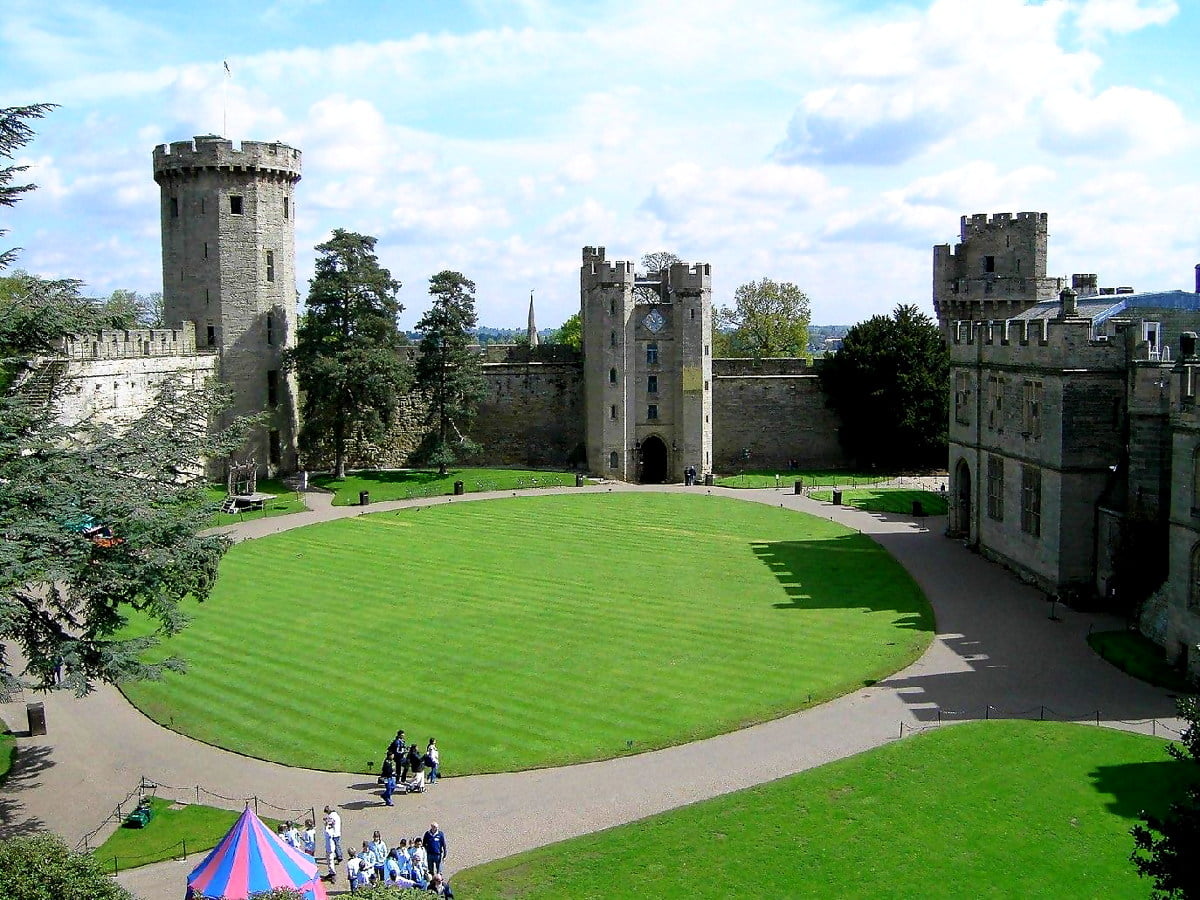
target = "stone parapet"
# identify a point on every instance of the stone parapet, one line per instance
(212, 152)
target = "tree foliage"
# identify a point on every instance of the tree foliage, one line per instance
(570, 332)
(768, 319)
(653, 263)
(447, 371)
(1166, 846)
(347, 356)
(15, 133)
(889, 383)
(43, 867)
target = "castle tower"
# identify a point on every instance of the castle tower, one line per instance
(997, 270)
(647, 369)
(229, 266)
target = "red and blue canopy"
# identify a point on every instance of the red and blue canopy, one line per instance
(251, 859)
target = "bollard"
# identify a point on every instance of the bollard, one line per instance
(364, 497)
(459, 488)
(36, 714)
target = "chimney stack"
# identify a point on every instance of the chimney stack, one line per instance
(1067, 298)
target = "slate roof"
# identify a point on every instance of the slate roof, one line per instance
(1104, 307)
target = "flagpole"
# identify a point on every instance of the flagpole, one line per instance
(225, 101)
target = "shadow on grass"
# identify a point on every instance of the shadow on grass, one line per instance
(31, 761)
(829, 574)
(1152, 786)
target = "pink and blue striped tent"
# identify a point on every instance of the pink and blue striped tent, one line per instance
(252, 858)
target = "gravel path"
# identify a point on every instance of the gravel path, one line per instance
(996, 646)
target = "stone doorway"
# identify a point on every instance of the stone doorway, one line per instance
(962, 490)
(654, 461)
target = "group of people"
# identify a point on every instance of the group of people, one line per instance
(407, 769)
(415, 863)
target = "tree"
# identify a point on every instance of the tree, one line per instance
(1166, 847)
(889, 384)
(129, 309)
(768, 318)
(15, 133)
(447, 372)
(43, 867)
(654, 263)
(347, 355)
(570, 333)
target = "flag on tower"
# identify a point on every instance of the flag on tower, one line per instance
(227, 72)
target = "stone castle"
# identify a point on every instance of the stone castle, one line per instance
(1074, 447)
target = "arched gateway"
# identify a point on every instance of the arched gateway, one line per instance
(654, 460)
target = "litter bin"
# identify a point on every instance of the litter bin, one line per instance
(364, 497)
(459, 488)
(918, 509)
(579, 479)
(799, 487)
(708, 479)
(36, 713)
(837, 498)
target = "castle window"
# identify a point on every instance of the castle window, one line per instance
(995, 488)
(612, 460)
(706, 349)
(652, 384)
(962, 398)
(275, 449)
(612, 307)
(693, 312)
(174, 207)
(207, 298)
(1196, 482)
(612, 339)
(273, 388)
(612, 376)
(612, 411)
(1031, 500)
(996, 403)
(212, 335)
(201, 206)
(287, 204)
(989, 264)
(270, 265)
(652, 411)
(206, 249)
(1032, 412)
(1194, 586)
(270, 329)
(235, 204)
(652, 353)
(706, 384)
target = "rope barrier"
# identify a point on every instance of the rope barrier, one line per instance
(991, 712)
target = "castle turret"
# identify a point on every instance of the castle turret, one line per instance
(229, 265)
(996, 271)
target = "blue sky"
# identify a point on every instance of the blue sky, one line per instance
(827, 143)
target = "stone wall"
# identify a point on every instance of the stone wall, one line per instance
(777, 418)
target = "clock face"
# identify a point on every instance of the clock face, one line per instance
(655, 321)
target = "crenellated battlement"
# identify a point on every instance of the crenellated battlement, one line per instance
(1059, 343)
(134, 343)
(213, 152)
(978, 223)
(597, 270)
(690, 279)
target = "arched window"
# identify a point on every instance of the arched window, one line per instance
(612, 339)
(612, 460)
(612, 307)
(1194, 584)
(612, 376)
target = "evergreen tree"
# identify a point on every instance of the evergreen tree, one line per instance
(1166, 847)
(889, 384)
(348, 350)
(447, 371)
(15, 133)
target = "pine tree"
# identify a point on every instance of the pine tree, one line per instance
(348, 356)
(447, 371)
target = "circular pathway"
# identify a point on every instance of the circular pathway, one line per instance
(995, 647)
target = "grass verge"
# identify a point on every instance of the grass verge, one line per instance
(767, 478)
(1137, 655)
(989, 809)
(286, 501)
(534, 631)
(8, 751)
(888, 500)
(171, 834)
(407, 484)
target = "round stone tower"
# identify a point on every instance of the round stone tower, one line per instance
(229, 266)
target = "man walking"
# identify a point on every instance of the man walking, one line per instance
(435, 846)
(333, 837)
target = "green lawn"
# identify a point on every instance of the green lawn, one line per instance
(786, 478)
(888, 500)
(534, 631)
(1137, 655)
(8, 751)
(991, 809)
(286, 501)
(172, 831)
(405, 484)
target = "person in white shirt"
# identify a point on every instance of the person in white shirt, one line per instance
(333, 837)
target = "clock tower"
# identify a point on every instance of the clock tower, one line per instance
(647, 344)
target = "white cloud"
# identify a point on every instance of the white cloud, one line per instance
(1118, 122)
(1095, 18)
